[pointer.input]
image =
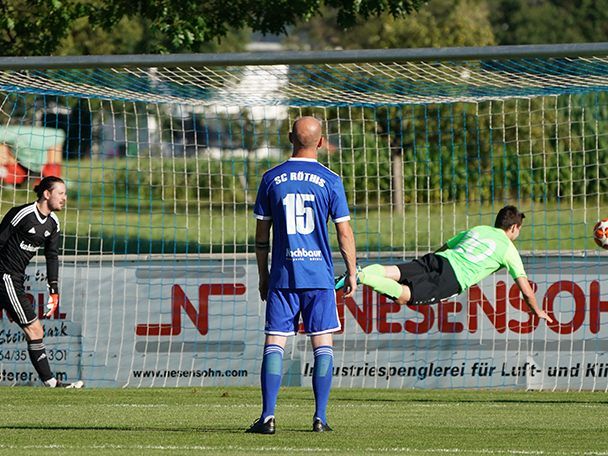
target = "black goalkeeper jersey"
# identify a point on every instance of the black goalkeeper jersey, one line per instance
(23, 231)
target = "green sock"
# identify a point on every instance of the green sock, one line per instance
(375, 269)
(382, 285)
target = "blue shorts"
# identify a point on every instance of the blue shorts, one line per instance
(317, 307)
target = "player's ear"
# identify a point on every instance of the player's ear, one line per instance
(321, 142)
(291, 137)
(514, 228)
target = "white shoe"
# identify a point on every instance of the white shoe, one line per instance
(75, 385)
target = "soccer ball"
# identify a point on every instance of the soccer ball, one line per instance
(600, 233)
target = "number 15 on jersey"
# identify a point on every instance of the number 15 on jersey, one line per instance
(299, 217)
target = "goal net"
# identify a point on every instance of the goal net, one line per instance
(162, 158)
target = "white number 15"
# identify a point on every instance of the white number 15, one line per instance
(299, 218)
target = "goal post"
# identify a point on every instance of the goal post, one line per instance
(162, 156)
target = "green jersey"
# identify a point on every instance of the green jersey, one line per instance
(30, 144)
(479, 252)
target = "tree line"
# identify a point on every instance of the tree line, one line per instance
(78, 27)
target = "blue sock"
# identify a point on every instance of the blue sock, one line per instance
(272, 369)
(321, 379)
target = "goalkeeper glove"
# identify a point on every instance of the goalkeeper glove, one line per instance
(52, 305)
(53, 302)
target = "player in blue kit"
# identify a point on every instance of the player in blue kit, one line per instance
(296, 199)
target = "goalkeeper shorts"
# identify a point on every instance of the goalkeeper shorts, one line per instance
(14, 300)
(430, 278)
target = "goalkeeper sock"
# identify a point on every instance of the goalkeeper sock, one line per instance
(272, 371)
(382, 285)
(37, 352)
(321, 379)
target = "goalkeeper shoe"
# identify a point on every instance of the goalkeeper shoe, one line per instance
(75, 385)
(261, 427)
(320, 426)
(341, 280)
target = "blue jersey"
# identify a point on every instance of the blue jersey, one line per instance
(299, 196)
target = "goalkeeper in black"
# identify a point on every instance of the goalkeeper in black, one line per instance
(24, 230)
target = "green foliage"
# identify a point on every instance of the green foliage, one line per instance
(549, 21)
(35, 27)
(445, 23)
(38, 27)
(142, 33)
(83, 39)
(350, 13)
(438, 23)
(42, 27)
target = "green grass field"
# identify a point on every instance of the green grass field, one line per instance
(194, 420)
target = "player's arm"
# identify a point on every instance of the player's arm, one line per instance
(452, 242)
(530, 298)
(346, 241)
(51, 252)
(262, 250)
(442, 248)
(514, 265)
(6, 227)
(340, 215)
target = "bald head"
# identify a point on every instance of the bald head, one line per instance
(306, 134)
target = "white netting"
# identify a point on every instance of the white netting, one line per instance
(159, 283)
(360, 84)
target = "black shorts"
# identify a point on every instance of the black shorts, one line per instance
(430, 279)
(14, 300)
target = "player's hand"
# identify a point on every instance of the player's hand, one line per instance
(544, 316)
(350, 286)
(263, 289)
(52, 304)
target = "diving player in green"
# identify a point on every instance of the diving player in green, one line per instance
(461, 262)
